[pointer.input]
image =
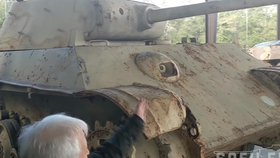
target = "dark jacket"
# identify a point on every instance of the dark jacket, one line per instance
(119, 144)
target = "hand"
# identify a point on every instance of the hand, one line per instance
(141, 109)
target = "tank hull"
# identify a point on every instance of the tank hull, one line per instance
(268, 52)
(212, 90)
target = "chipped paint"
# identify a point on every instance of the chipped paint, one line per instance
(158, 66)
(27, 25)
(268, 101)
(224, 99)
(165, 111)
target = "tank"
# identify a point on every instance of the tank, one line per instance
(94, 59)
(268, 52)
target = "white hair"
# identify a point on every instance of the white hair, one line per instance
(56, 136)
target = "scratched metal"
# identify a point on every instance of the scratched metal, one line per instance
(165, 70)
(229, 103)
(60, 70)
(52, 69)
(172, 146)
(166, 112)
(231, 106)
(269, 141)
(42, 24)
(268, 76)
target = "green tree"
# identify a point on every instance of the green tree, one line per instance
(193, 27)
(261, 26)
(231, 27)
(2, 12)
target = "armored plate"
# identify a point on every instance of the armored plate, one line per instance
(213, 81)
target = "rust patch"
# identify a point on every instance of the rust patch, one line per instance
(132, 56)
(127, 67)
(152, 63)
(194, 54)
(217, 139)
(162, 105)
(227, 62)
(238, 132)
(256, 125)
(269, 77)
(186, 71)
(264, 113)
(212, 46)
(256, 90)
(108, 16)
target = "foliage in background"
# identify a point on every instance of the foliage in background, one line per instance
(2, 12)
(262, 22)
(188, 27)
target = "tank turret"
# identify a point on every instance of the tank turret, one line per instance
(60, 23)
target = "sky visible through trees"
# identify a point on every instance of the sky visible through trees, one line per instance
(232, 27)
(257, 24)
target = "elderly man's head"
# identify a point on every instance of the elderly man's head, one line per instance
(56, 136)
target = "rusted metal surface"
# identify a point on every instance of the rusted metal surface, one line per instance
(269, 140)
(269, 77)
(176, 145)
(53, 69)
(202, 97)
(165, 69)
(226, 100)
(231, 106)
(165, 111)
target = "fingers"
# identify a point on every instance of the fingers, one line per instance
(142, 101)
(141, 109)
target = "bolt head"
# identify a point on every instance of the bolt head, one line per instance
(184, 127)
(193, 131)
